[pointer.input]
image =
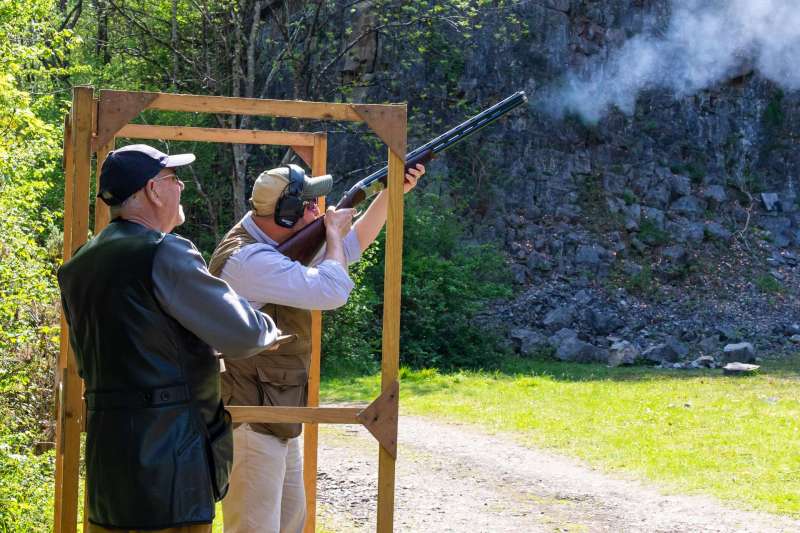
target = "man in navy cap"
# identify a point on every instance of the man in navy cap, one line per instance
(145, 319)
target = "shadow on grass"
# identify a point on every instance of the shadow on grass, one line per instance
(420, 382)
(785, 366)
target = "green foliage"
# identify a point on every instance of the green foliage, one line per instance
(773, 113)
(26, 486)
(446, 280)
(642, 282)
(629, 197)
(33, 63)
(651, 234)
(351, 334)
(768, 285)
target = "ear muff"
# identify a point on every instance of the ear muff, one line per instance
(290, 206)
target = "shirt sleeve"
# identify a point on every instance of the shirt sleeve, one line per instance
(352, 250)
(206, 305)
(261, 274)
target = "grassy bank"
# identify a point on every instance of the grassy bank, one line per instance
(736, 438)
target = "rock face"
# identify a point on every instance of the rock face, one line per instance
(650, 209)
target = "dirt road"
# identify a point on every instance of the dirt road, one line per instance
(456, 478)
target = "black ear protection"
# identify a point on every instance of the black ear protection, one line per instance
(290, 206)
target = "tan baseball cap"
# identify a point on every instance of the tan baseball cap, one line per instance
(271, 183)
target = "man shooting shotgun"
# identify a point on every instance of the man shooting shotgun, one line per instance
(304, 244)
(266, 487)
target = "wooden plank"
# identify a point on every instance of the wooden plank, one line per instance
(101, 211)
(82, 112)
(390, 362)
(320, 415)
(254, 106)
(311, 431)
(64, 337)
(222, 135)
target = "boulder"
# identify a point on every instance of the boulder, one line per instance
(670, 351)
(602, 322)
(655, 216)
(560, 317)
(578, 351)
(704, 361)
(561, 335)
(527, 341)
(632, 215)
(676, 254)
(715, 194)
(680, 186)
(658, 196)
(689, 206)
(623, 353)
(741, 352)
(539, 262)
(770, 200)
(519, 273)
(589, 256)
(715, 230)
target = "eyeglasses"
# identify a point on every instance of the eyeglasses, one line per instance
(174, 177)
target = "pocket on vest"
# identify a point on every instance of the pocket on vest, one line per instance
(285, 387)
(219, 444)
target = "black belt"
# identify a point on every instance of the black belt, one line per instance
(138, 399)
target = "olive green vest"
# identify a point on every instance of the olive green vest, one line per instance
(273, 377)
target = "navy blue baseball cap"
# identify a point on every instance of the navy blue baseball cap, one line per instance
(128, 169)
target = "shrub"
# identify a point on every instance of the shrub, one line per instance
(446, 280)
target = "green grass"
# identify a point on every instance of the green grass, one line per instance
(698, 431)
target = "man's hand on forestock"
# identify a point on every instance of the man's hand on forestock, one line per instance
(338, 221)
(412, 176)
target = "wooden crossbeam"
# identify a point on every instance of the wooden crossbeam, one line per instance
(317, 415)
(220, 135)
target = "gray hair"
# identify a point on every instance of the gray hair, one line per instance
(119, 209)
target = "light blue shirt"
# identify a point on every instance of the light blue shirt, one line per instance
(260, 274)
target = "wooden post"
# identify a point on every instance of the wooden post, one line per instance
(390, 364)
(311, 431)
(101, 211)
(76, 226)
(63, 353)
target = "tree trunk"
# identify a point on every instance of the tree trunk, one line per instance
(239, 179)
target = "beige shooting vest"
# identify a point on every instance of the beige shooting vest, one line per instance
(278, 377)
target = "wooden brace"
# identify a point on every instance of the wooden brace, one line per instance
(388, 122)
(116, 110)
(380, 418)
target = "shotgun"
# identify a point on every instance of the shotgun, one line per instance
(304, 245)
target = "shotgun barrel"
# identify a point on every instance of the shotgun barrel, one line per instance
(304, 245)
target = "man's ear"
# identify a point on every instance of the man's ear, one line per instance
(151, 193)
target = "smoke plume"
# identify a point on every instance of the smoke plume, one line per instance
(705, 42)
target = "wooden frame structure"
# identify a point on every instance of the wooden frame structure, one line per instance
(92, 127)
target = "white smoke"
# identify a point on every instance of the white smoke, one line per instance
(706, 41)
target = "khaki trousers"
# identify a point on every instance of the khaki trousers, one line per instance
(266, 493)
(197, 528)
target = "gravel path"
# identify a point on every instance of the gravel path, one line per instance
(456, 478)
